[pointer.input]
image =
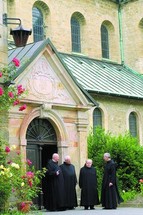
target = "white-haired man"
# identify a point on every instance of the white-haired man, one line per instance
(70, 181)
(88, 185)
(109, 195)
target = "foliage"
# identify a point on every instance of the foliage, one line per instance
(129, 195)
(10, 94)
(5, 188)
(141, 186)
(25, 179)
(18, 177)
(12, 213)
(125, 151)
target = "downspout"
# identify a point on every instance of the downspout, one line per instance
(120, 32)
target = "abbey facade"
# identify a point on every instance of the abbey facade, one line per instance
(82, 67)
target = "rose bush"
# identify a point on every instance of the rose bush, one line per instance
(19, 178)
(10, 94)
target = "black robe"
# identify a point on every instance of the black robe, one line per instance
(70, 180)
(110, 195)
(55, 189)
(88, 185)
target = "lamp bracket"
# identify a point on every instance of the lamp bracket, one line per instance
(5, 20)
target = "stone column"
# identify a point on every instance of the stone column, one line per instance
(82, 136)
(62, 150)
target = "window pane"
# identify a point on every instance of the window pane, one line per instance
(97, 118)
(133, 124)
(38, 30)
(75, 35)
(104, 42)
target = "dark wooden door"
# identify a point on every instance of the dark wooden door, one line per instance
(41, 144)
(40, 155)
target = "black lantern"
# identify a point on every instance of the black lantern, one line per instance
(20, 35)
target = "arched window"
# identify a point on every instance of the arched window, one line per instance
(104, 42)
(133, 124)
(75, 35)
(38, 29)
(97, 118)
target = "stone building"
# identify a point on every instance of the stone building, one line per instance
(82, 67)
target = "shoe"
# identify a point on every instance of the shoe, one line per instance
(70, 208)
(108, 208)
(92, 208)
(86, 208)
(61, 209)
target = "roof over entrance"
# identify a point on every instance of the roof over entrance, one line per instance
(89, 74)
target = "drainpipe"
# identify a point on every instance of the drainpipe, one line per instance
(120, 32)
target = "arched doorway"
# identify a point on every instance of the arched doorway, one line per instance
(41, 144)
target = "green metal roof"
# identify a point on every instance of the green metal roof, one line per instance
(104, 77)
(89, 74)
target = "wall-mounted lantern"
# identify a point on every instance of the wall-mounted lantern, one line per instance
(20, 35)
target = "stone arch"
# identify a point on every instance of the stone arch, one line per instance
(43, 7)
(139, 122)
(81, 20)
(53, 118)
(112, 39)
(104, 116)
(79, 17)
(141, 24)
(108, 25)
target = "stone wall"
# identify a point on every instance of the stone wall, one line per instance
(115, 113)
(57, 15)
(132, 28)
(3, 34)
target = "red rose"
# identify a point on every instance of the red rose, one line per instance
(29, 162)
(16, 102)
(30, 175)
(1, 91)
(20, 89)
(23, 107)
(7, 149)
(10, 94)
(16, 62)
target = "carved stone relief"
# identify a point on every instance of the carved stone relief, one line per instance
(44, 84)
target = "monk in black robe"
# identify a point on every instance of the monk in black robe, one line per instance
(70, 181)
(110, 195)
(88, 185)
(55, 189)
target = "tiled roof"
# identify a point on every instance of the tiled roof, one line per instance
(89, 74)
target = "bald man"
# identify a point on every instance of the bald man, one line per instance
(88, 185)
(70, 181)
(55, 185)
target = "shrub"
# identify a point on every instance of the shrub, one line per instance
(125, 151)
(18, 177)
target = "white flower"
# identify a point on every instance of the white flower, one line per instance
(10, 175)
(15, 165)
(22, 184)
(2, 173)
(13, 147)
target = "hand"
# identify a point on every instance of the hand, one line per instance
(110, 184)
(58, 172)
